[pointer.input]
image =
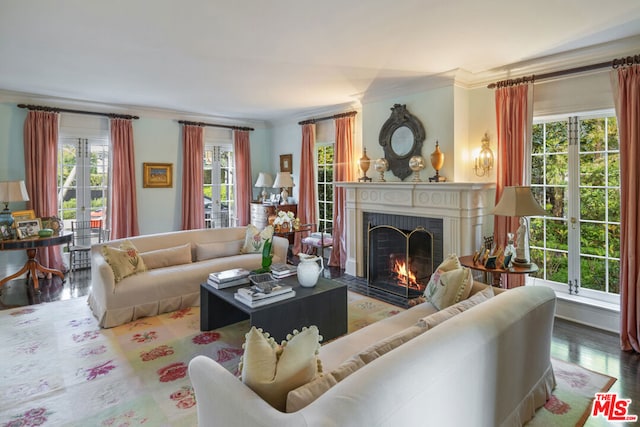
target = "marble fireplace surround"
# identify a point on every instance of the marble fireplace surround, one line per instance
(465, 210)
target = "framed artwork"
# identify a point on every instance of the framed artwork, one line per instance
(5, 232)
(285, 162)
(22, 215)
(157, 175)
(28, 228)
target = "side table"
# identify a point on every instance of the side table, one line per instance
(497, 272)
(31, 245)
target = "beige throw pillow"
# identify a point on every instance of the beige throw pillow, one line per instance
(254, 239)
(218, 249)
(176, 255)
(449, 284)
(272, 370)
(124, 260)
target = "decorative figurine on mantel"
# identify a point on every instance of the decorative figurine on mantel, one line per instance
(437, 160)
(416, 163)
(381, 165)
(364, 163)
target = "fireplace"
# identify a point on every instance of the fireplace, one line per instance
(400, 262)
(401, 252)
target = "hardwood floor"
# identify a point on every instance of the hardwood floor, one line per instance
(588, 347)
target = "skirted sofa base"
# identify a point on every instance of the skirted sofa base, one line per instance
(175, 282)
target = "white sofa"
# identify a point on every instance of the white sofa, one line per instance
(175, 285)
(487, 366)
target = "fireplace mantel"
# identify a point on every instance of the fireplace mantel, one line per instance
(465, 209)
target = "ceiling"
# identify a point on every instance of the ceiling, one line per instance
(267, 60)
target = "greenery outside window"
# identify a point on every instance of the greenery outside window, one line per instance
(324, 180)
(218, 189)
(576, 177)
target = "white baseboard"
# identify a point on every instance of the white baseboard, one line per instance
(586, 312)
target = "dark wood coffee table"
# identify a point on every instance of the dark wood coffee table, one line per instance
(324, 305)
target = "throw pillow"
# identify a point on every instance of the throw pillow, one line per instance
(218, 249)
(124, 260)
(254, 239)
(167, 257)
(449, 284)
(435, 319)
(272, 370)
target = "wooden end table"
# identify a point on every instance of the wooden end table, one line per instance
(324, 305)
(497, 272)
(31, 245)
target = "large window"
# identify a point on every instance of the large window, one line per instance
(575, 176)
(324, 162)
(219, 200)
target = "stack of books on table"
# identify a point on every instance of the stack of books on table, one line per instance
(229, 278)
(255, 296)
(283, 270)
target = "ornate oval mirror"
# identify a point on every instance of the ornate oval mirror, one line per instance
(401, 137)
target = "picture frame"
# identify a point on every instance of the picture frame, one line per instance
(28, 228)
(52, 222)
(286, 161)
(23, 215)
(6, 232)
(157, 175)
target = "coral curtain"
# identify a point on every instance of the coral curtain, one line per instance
(343, 172)
(244, 190)
(514, 116)
(124, 211)
(307, 198)
(626, 92)
(41, 163)
(192, 177)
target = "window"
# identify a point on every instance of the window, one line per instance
(575, 176)
(324, 162)
(83, 169)
(218, 190)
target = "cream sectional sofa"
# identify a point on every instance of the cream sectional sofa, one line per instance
(178, 262)
(487, 366)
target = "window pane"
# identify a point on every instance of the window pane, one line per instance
(556, 137)
(556, 169)
(537, 141)
(614, 169)
(614, 241)
(593, 273)
(592, 169)
(592, 133)
(537, 170)
(557, 267)
(614, 276)
(557, 234)
(556, 202)
(592, 204)
(612, 134)
(592, 238)
(614, 204)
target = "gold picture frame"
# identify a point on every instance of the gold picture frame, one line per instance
(23, 215)
(157, 175)
(285, 162)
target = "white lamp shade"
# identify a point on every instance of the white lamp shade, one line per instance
(13, 191)
(264, 180)
(283, 180)
(518, 201)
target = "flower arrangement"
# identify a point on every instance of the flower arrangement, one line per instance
(284, 218)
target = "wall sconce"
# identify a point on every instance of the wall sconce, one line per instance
(484, 162)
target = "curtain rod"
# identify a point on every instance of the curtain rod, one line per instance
(90, 113)
(336, 116)
(629, 60)
(185, 122)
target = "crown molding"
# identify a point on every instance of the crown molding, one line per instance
(143, 112)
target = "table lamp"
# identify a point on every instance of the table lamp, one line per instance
(519, 201)
(283, 181)
(11, 191)
(264, 180)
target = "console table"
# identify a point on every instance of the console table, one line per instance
(497, 272)
(31, 245)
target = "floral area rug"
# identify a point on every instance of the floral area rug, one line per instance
(570, 404)
(58, 368)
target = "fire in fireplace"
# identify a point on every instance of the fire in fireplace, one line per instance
(400, 262)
